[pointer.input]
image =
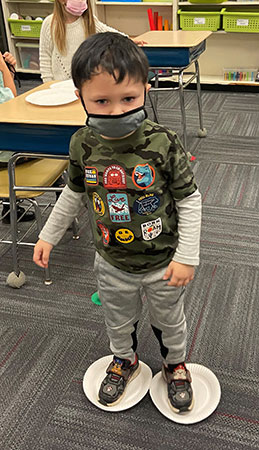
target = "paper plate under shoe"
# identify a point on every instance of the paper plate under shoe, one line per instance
(206, 393)
(66, 84)
(135, 390)
(51, 97)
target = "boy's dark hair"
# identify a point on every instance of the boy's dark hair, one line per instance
(113, 53)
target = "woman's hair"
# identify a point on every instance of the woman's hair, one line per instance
(112, 53)
(58, 26)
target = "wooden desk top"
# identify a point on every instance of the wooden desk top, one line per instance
(174, 39)
(19, 111)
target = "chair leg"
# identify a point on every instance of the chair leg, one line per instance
(38, 216)
(75, 228)
(153, 105)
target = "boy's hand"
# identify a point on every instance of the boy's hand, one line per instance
(9, 58)
(179, 274)
(41, 253)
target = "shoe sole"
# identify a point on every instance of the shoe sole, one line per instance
(135, 374)
(179, 411)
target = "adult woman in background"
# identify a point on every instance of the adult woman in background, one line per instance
(62, 32)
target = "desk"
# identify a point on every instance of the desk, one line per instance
(39, 129)
(175, 51)
(35, 130)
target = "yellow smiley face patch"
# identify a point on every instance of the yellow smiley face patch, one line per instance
(124, 236)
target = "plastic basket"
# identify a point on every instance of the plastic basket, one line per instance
(246, 21)
(25, 28)
(199, 20)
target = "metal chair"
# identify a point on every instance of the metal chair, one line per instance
(29, 180)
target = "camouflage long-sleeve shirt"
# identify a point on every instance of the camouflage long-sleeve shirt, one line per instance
(132, 186)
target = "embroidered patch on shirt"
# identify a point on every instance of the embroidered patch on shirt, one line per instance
(118, 207)
(98, 204)
(105, 232)
(143, 176)
(146, 204)
(91, 175)
(150, 230)
(114, 177)
(124, 236)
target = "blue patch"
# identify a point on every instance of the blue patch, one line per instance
(146, 204)
(143, 176)
(118, 207)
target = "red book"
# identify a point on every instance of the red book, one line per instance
(156, 20)
(151, 20)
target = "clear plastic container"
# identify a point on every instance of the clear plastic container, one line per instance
(29, 55)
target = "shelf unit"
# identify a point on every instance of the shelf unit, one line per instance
(39, 8)
(132, 18)
(221, 51)
(224, 50)
(227, 50)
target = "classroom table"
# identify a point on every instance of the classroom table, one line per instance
(174, 52)
(41, 132)
(39, 129)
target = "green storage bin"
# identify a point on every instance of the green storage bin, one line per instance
(25, 28)
(199, 20)
(246, 21)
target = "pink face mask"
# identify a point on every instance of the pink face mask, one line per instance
(76, 7)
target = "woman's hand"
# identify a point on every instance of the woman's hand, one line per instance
(139, 42)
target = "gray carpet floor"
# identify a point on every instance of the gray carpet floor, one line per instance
(50, 335)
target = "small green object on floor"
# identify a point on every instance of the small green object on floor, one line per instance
(95, 298)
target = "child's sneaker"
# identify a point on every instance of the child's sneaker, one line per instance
(120, 373)
(179, 387)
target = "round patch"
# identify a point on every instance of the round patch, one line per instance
(146, 204)
(105, 232)
(124, 236)
(143, 176)
(98, 204)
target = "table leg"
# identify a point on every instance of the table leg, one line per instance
(181, 95)
(202, 131)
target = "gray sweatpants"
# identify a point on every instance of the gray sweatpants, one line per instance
(120, 294)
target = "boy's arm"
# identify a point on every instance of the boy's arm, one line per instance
(181, 269)
(64, 212)
(189, 229)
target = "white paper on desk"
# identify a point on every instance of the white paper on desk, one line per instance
(51, 97)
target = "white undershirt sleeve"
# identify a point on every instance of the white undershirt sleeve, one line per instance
(64, 212)
(189, 229)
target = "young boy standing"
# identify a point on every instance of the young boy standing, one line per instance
(145, 212)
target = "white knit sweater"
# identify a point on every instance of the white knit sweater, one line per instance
(54, 65)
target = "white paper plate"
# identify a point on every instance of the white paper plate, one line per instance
(66, 84)
(51, 97)
(206, 392)
(136, 389)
